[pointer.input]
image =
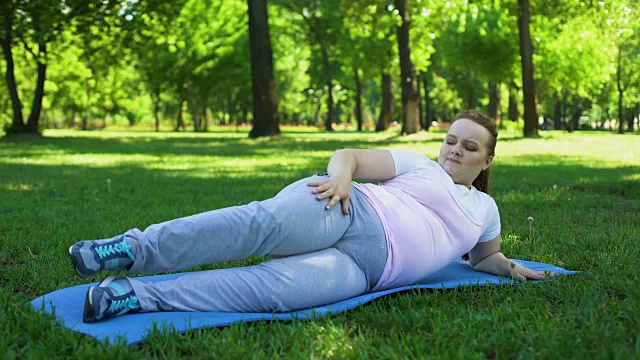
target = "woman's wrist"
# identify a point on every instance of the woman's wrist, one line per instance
(496, 264)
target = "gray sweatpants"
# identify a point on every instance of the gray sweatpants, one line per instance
(322, 256)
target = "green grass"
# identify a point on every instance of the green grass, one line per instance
(580, 189)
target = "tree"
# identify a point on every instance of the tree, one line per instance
(266, 119)
(30, 23)
(367, 50)
(528, 84)
(410, 95)
(36, 24)
(323, 25)
(625, 41)
(8, 10)
(481, 32)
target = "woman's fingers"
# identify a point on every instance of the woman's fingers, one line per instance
(326, 189)
(527, 273)
(334, 200)
(345, 206)
(533, 275)
(319, 186)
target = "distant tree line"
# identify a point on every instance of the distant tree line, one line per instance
(199, 63)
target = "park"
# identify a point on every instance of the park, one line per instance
(130, 113)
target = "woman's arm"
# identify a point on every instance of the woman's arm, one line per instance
(369, 165)
(486, 257)
(348, 164)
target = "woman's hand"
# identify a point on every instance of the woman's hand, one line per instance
(520, 272)
(348, 164)
(336, 188)
(500, 265)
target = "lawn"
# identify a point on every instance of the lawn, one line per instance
(567, 199)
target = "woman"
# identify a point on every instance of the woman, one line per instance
(332, 238)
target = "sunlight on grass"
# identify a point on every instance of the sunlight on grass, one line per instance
(566, 199)
(331, 341)
(632, 177)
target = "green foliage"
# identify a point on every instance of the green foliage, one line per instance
(479, 43)
(573, 58)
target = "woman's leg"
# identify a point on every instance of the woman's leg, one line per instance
(293, 222)
(285, 284)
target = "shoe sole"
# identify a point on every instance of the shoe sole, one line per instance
(89, 314)
(74, 261)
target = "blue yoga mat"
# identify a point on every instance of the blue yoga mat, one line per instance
(68, 303)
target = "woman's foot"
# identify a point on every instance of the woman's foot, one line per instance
(92, 256)
(112, 297)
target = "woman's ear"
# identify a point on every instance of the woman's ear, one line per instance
(487, 163)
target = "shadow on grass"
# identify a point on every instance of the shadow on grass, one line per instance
(219, 145)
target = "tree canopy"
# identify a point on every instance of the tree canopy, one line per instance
(187, 64)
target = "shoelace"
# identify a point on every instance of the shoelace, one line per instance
(122, 306)
(122, 247)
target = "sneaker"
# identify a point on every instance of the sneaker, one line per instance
(112, 297)
(92, 256)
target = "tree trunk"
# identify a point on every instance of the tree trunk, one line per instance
(420, 111)
(386, 112)
(328, 121)
(428, 116)
(105, 115)
(204, 118)
(245, 111)
(576, 112)
(528, 84)
(494, 99)
(36, 106)
(566, 122)
(316, 115)
(514, 114)
(557, 114)
(180, 123)
(192, 107)
(84, 122)
(356, 76)
(231, 109)
(18, 119)
(620, 93)
(410, 97)
(156, 107)
(74, 118)
(266, 119)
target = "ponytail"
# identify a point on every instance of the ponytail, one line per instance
(482, 181)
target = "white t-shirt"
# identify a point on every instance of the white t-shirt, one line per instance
(428, 219)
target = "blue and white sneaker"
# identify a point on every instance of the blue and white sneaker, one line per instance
(112, 297)
(92, 256)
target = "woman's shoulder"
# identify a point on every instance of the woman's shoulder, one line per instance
(410, 161)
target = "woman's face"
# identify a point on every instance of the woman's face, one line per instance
(464, 152)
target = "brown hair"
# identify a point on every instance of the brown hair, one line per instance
(482, 180)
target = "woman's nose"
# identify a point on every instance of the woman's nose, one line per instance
(455, 150)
